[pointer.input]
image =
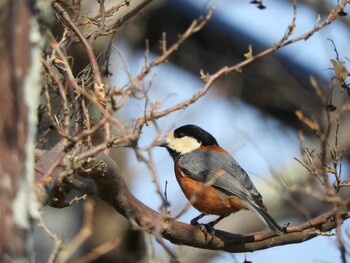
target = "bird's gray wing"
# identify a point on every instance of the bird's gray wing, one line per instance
(225, 173)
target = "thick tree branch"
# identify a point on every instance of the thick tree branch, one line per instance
(112, 189)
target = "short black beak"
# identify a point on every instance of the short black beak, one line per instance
(161, 143)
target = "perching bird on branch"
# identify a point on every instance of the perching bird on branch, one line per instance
(211, 179)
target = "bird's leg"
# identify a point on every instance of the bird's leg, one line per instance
(204, 227)
(209, 227)
(213, 223)
(194, 221)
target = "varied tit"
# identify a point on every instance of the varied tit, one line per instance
(211, 178)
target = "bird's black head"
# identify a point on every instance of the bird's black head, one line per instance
(190, 130)
(186, 139)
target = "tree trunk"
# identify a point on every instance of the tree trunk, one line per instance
(19, 87)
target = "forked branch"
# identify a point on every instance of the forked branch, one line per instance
(104, 173)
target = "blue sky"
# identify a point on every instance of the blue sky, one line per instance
(236, 126)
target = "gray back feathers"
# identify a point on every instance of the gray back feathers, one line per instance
(203, 165)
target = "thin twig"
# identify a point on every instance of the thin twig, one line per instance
(99, 86)
(83, 234)
(99, 251)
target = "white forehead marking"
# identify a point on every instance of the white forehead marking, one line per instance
(182, 145)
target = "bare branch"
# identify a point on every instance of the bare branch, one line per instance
(71, 165)
(82, 236)
(99, 86)
(113, 190)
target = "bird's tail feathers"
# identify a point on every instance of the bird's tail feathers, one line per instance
(266, 218)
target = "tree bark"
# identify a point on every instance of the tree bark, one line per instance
(19, 75)
(107, 183)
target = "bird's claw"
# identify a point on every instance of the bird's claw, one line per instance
(205, 228)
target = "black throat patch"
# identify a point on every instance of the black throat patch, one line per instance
(174, 154)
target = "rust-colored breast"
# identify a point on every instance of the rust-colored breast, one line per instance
(206, 198)
(215, 148)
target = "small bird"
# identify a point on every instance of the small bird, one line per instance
(211, 179)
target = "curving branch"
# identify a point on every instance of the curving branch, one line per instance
(70, 165)
(101, 176)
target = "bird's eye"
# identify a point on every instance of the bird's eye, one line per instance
(180, 135)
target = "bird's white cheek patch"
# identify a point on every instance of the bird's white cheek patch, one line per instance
(183, 145)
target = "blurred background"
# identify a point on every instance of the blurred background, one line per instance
(251, 114)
